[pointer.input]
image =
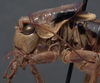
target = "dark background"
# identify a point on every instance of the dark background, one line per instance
(10, 12)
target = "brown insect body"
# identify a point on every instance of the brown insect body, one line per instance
(35, 45)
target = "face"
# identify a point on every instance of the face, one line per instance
(25, 38)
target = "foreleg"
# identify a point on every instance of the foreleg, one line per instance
(5, 75)
(13, 63)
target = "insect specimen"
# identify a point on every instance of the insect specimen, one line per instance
(65, 31)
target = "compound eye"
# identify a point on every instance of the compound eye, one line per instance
(28, 29)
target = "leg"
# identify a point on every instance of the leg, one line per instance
(71, 57)
(44, 57)
(35, 72)
(87, 78)
(96, 70)
(92, 70)
(5, 75)
(47, 57)
(13, 71)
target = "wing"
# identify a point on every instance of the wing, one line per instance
(53, 18)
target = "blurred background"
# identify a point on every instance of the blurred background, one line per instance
(10, 12)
